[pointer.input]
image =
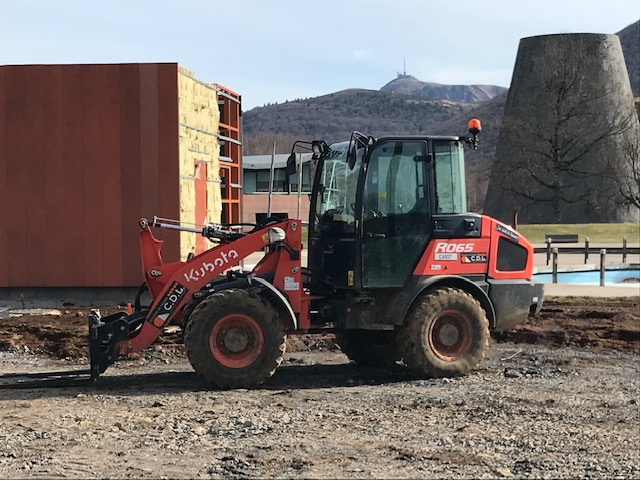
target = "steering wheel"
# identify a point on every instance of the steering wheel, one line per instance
(265, 222)
(376, 213)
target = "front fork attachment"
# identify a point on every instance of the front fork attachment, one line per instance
(105, 333)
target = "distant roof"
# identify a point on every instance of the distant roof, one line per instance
(259, 162)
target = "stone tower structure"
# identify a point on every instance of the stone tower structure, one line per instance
(568, 150)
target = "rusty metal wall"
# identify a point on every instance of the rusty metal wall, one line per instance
(85, 151)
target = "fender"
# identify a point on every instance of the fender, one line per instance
(418, 285)
(281, 299)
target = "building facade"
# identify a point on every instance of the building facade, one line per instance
(87, 150)
(284, 200)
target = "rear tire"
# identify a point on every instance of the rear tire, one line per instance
(445, 334)
(234, 339)
(369, 348)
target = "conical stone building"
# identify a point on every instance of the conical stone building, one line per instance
(568, 150)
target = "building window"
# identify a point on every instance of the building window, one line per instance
(262, 181)
(293, 181)
(258, 181)
(249, 181)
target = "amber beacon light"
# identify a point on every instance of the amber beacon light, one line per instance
(474, 126)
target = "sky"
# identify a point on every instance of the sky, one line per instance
(276, 50)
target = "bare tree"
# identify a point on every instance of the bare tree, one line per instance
(566, 142)
(261, 143)
(476, 179)
(628, 184)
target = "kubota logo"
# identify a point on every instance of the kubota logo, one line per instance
(210, 267)
(452, 247)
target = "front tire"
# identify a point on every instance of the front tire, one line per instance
(234, 339)
(445, 334)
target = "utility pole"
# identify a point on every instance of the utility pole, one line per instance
(271, 182)
(300, 182)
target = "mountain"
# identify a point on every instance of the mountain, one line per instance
(629, 37)
(408, 85)
(333, 117)
(401, 106)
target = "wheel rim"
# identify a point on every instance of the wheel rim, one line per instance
(236, 341)
(450, 335)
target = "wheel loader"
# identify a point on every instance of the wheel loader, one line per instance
(397, 269)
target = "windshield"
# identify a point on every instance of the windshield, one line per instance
(450, 178)
(336, 194)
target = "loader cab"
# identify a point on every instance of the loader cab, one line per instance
(371, 218)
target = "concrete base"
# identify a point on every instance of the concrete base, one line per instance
(562, 290)
(50, 297)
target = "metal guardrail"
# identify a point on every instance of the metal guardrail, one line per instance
(552, 254)
(586, 250)
(602, 266)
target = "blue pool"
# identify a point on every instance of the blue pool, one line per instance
(627, 277)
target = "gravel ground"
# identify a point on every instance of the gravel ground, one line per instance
(529, 412)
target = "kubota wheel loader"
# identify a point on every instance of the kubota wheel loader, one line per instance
(397, 269)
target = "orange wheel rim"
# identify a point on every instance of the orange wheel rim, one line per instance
(236, 341)
(450, 335)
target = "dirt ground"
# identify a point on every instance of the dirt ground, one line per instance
(557, 397)
(611, 323)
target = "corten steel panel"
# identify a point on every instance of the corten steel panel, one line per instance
(53, 192)
(76, 144)
(34, 161)
(149, 150)
(72, 229)
(4, 201)
(130, 157)
(109, 156)
(17, 181)
(94, 171)
(168, 162)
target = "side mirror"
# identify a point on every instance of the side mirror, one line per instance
(351, 156)
(290, 169)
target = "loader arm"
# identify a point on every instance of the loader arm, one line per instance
(172, 285)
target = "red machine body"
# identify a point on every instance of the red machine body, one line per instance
(397, 269)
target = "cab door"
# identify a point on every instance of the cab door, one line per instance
(396, 213)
